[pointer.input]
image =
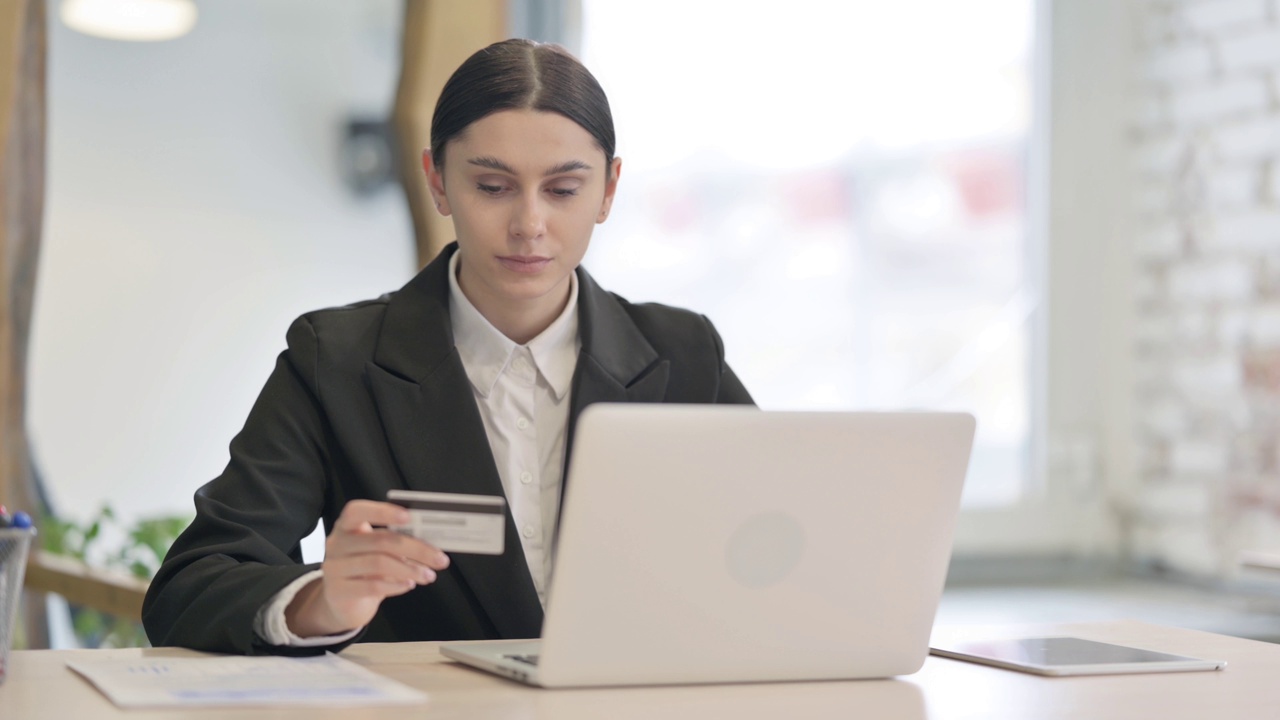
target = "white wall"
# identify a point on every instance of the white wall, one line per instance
(1163, 332)
(1206, 129)
(194, 208)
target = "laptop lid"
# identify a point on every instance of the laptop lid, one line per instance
(728, 544)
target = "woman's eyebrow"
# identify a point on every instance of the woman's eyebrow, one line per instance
(567, 167)
(492, 163)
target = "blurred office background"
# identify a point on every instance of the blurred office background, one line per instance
(1062, 216)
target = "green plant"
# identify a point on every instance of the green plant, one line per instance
(140, 550)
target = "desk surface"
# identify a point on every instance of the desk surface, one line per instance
(40, 686)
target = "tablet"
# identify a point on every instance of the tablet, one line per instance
(1070, 656)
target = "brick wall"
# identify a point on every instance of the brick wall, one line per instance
(1206, 128)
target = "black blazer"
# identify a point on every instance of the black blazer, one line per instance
(373, 396)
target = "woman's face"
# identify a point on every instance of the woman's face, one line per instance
(525, 190)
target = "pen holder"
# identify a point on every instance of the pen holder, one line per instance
(14, 545)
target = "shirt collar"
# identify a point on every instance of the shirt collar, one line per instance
(486, 352)
(555, 350)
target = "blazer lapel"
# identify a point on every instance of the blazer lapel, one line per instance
(616, 363)
(437, 437)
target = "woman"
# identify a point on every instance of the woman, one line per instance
(468, 380)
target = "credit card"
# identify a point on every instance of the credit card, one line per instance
(454, 522)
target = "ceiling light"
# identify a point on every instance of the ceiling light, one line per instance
(144, 20)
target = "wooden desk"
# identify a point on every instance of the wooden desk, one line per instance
(40, 686)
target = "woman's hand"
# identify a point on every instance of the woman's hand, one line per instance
(362, 566)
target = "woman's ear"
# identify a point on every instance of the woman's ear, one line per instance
(435, 182)
(610, 187)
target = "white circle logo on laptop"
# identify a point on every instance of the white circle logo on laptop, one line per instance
(764, 549)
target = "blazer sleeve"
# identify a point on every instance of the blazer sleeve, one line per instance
(730, 389)
(244, 544)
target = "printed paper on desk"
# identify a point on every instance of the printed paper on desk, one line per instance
(454, 522)
(213, 681)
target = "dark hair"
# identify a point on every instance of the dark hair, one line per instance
(521, 75)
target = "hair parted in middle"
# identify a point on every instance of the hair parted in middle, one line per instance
(521, 74)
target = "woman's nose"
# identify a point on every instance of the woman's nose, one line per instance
(528, 221)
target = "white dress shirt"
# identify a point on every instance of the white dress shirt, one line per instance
(522, 392)
(523, 395)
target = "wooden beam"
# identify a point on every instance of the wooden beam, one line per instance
(22, 146)
(438, 36)
(22, 174)
(107, 591)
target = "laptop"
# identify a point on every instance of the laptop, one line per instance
(714, 544)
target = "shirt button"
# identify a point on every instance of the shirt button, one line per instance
(528, 531)
(526, 477)
(522, 423)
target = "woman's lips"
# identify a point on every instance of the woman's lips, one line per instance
(526, 264)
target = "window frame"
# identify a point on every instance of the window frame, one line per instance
(1079, 187)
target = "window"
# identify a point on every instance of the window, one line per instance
(840, 187)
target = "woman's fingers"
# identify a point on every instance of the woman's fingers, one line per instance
(353, 586)
(366, 563)
(356, 533)
(389, 543)
(378, 566)
(360, 515)
(380, 587)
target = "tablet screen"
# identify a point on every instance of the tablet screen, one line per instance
(1066, 651)
(1069, 655)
